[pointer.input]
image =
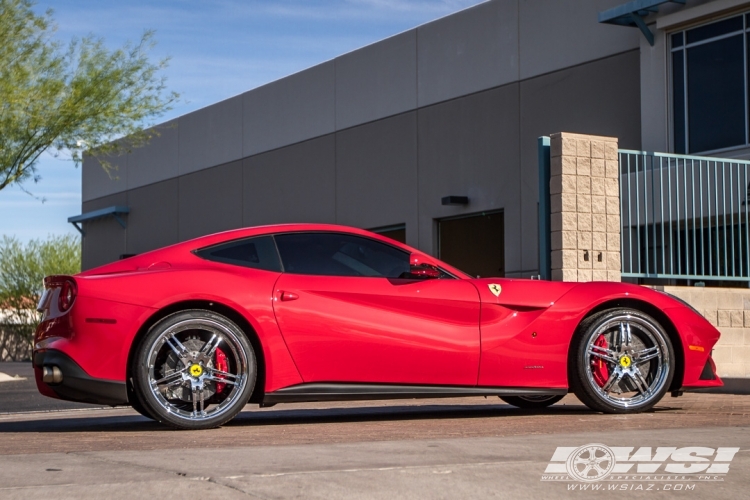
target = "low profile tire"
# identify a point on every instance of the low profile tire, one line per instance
(135, 403)
(531, 402)
(194, 369)
(622, 361)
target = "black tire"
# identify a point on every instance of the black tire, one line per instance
(178, 377)
(531, 402)
(621, 361)
(135, 404)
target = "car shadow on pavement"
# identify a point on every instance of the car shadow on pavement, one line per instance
(297, 416)
(403, 412)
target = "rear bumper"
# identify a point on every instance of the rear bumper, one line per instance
(76, 384)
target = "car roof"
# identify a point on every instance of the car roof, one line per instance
(247, 232)
(181, 251)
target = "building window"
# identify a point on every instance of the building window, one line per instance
(710, 86)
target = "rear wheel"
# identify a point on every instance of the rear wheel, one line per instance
(622, 361)
(531, 402)
(134, 403)
(194, 370)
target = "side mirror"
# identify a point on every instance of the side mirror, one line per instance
(424, 272)
(422, 267)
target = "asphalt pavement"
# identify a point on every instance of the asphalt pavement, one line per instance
(436, 448)
(23, 396)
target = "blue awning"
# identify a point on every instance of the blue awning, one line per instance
(114, 211)
(632, 14)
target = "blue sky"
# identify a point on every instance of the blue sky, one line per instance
(218, 49)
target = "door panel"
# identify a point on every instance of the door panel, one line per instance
(380, 330)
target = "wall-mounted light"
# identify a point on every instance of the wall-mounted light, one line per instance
(455, 200)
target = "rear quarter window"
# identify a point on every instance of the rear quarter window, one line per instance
(257, 253)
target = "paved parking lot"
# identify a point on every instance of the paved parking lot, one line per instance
(442, 448)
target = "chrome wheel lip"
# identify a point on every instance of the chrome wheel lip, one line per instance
(230, 342)
(660, 374)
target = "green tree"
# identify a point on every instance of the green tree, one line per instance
(23, 268)
(65, 99)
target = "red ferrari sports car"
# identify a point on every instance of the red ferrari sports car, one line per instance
(189, 334)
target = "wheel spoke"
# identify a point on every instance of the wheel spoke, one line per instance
(171, 379)
(615, 377)
(195, 402)
(646, 355)
(211, 346)
(177, 347)
(628, 336)
(222, 376)
(219, 373)
(220, 380)
(619, 336)
(639, 376)
(603, 353)
(639, 382)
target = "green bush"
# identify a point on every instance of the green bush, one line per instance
(22, 271)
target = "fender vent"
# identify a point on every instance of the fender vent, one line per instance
(708, 371)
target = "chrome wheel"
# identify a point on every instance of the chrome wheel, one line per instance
(625, 362)
(197, 370)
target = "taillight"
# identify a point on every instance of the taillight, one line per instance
(68, 292)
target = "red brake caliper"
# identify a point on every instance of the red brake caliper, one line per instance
(221, 364)
(598, 367)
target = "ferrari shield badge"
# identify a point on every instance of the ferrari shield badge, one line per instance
(495, 289)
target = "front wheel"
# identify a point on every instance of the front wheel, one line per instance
(531, 402)
(622, 361)
(194, 370)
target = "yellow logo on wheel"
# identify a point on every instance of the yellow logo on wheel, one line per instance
(625, 361)
(196, 370)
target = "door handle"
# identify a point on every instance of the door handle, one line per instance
(287, 296)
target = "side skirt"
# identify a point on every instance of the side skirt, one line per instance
(360, 392)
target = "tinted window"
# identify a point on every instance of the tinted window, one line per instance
(714, 29)
(677, 40)
(336, 254)
(709, 86)
(258, 253)
(678, 103)
(716, 94)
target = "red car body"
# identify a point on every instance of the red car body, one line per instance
(441, 333)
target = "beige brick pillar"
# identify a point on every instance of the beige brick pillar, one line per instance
(584, 208)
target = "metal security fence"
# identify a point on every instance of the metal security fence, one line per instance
(684, 217)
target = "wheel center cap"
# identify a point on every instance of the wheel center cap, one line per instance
(196, 370)
(625, 361)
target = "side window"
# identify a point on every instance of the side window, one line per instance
(258, 253)
(337, 254)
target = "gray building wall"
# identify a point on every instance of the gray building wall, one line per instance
(377, 136)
